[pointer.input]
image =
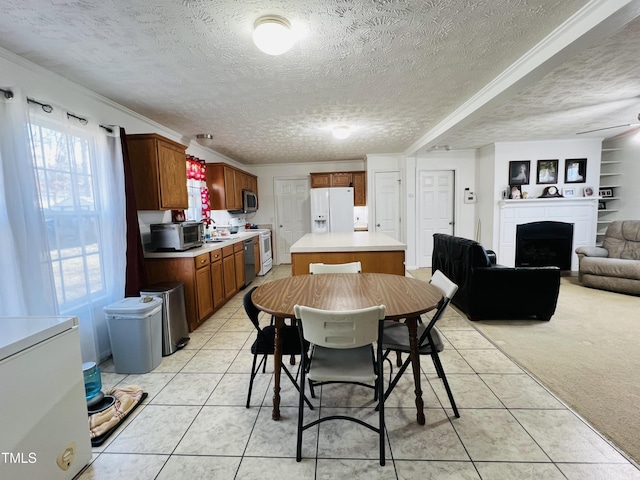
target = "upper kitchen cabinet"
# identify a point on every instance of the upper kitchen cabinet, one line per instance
(320, 180)
(357, 180)
(341, 179)
(225, 184)
(359, 189)
(159, 172)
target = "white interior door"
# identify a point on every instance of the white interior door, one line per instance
(293, 215)
(435, 210)
(387, 203)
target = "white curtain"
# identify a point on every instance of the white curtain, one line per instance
(62, 218)
(26, 279)
(80, 180)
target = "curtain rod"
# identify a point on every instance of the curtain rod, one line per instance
(8, 94)
(45, 106)
(48, 109)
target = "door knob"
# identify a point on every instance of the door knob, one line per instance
(377, 224)
(450, 223)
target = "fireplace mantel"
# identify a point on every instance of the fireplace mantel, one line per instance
(582, 212)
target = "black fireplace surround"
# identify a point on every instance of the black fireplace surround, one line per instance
(544, 244)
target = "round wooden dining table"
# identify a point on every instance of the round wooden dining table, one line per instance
(405, 298)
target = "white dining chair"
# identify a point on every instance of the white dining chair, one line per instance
(351, 267)
(342, 353)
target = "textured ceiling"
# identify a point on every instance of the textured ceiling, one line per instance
(598, 88)
(391, 68)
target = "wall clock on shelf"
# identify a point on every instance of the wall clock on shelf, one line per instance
(550, 192)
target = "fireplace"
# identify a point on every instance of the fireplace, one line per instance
(544, 244)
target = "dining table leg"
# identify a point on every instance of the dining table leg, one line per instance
(277, 367)
(412, 326)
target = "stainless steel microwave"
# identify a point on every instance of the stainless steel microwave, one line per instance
(249, 201)
(176, 236)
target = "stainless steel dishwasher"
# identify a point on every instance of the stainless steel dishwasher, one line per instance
(249, 261)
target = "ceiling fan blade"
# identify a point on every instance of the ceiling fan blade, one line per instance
(626, 132)
(607, 128)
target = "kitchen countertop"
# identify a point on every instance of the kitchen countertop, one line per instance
(208, 247)
(346, 242)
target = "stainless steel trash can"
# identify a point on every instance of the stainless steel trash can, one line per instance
(175, 332)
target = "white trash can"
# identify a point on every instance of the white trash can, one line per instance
(135, 332)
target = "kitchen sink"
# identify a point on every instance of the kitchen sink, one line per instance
(218, 240)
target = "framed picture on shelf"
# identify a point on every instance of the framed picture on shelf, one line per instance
(515, 192)
(568, 192)
(547, 171)
(602, 205)
(588, 191)
(575, 170)
(519, 171)
(605, 192)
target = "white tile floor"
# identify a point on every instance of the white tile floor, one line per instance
(194, 425)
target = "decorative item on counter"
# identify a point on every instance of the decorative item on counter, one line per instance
(178, 216)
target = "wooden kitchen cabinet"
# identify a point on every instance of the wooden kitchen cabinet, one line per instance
(359, 189)
(357, 180)
(159, 172)
(225, 184)
(341, 179)
(204, 294)
(210, 279)
(217, 279)
(320, 180)
(192, 272)
(229, 272)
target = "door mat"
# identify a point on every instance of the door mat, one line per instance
(104, 423)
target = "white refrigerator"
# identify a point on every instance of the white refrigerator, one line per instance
(332, 210)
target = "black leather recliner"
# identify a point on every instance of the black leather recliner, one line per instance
(488, 291)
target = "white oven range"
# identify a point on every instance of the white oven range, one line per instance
(266, 256)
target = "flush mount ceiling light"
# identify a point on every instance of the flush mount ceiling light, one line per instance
(446, 147)
(341, 132)
(205, 139)
(272, 34)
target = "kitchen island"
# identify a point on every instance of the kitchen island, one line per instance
(377, 252)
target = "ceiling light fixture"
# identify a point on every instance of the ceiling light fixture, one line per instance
(205, 139)
(446, 147)
(272, 34)
(341, 132)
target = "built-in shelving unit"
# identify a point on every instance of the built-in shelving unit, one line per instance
(609, 180)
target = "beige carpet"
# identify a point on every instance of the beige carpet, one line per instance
(588, 355)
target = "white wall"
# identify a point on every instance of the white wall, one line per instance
(267, 174)
(462, 163)
(42, 85)
(485, 194)
(505, 152)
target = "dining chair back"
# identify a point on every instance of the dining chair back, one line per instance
(395, 337)
(351, 267)
(342, 352)
(264, 344)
